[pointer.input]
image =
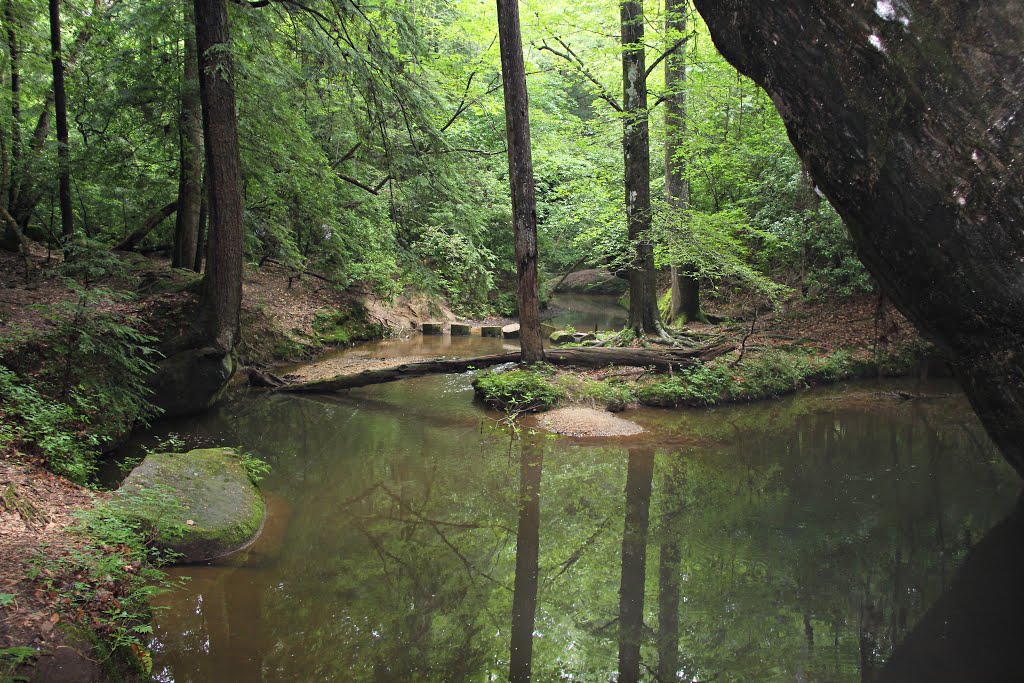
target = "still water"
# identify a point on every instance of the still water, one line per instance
(797, 540)
(587, 312)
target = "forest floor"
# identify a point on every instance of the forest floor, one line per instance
(280, 313)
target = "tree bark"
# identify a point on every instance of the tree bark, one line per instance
(643, 297)
(158, 217)
(639, 477)
(587, 357)
(14, 55)
(922, 161)
(221, 298)
(524, 595)
(685, 297)
(190, 137)
(60, 101)
(520, 173)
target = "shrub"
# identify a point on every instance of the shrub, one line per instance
(55, 430)
(517, 391)
(104, 584)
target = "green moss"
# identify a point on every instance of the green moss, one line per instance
(288, 348)
(216, 495)
(346, 326)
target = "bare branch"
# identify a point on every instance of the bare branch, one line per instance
(667, 53)
(372, 190)
(581, 68)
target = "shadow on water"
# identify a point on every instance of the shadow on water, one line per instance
(972, 632)
(807, 539)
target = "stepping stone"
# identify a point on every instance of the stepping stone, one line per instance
(432, 328)
(510, 331)
(460, 330)
(490, 331)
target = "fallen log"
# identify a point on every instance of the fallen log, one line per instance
(591, 357)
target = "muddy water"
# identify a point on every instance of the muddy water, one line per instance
(797, 540)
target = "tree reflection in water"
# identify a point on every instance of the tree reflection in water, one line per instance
(801, 540)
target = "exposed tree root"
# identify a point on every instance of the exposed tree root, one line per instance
(676, 339)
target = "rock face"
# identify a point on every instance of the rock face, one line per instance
(190, 381)
(908, 115)
(225, 508)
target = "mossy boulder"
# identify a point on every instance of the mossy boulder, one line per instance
(222, 510)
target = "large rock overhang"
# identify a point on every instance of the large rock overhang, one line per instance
(908, 114)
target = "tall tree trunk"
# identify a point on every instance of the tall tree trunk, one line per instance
(685, 301)
(190, 136)
(524, 596)
(221, 298)
(14, 54)
(12, 237)
(60, 100)
(643, 298)
(520, 173)
(634, 562)
(204, 223)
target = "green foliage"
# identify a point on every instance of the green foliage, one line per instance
(763, 375)
(255, 468)
(13, 657)
(520, 390)
(461, 267)
(58, 431)
(112, 574)
(346, 326)
(97, 353)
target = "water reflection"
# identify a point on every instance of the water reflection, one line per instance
(799, 540)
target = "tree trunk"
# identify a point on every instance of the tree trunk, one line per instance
(685, 301)
(14, 55)
(60, 100)
(643, 298)
(190, 137)
(155, 219)
(921, 160)
(634, 562)
(524, 596)
(204, 222)
(520, 173)
(221, 299)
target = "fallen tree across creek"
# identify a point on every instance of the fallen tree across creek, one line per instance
(660, 359)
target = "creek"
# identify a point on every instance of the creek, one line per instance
(801, 539)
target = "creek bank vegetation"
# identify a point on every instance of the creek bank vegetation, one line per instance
(335, 170)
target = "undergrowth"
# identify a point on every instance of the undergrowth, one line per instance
(102, 585)
(520, 390)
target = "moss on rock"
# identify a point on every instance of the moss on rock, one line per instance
(223, 511)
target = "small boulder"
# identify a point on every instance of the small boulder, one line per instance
(561, 337)
(510, 331)
(222, 511)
